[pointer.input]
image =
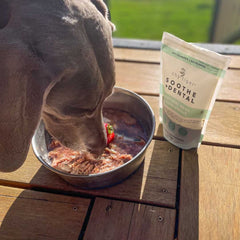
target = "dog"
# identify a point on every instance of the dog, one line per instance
(56, 64)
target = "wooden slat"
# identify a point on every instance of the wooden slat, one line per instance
(150, 222)
(26, 214)
(124, 54)
(223, 126)
(230, 89)
(141, 78)
(154, 182)
(153, 56)
(235, 61)
(209, 194)
(112, 219)
(144, 78)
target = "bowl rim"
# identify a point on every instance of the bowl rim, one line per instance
(124, 90)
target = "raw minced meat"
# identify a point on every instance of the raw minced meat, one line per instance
(75, 162)
(129, 140)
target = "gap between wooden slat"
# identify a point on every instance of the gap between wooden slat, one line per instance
(220, 145)
(86, 220)
(178, 194)
(227, 101)
(137, 61)
(204, 143)
(28, 186)
(157, 95)
(75, 194)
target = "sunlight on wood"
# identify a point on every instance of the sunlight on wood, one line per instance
(26, 172)
(6, 201)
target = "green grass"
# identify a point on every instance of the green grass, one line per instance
(148, 19)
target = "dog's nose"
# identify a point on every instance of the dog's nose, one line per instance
(95, 138)
(97, 147)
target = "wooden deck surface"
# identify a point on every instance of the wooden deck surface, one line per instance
(187, 195)
(26, 214)
(113, 219)
(210, 193)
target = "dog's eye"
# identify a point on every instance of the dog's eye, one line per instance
(76, 111)
(79, 110)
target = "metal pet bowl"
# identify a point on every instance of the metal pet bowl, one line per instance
(121, 99)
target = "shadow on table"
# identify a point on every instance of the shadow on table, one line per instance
(189, 196)
(177, 186)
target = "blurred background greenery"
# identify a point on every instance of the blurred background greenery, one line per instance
(190, 20)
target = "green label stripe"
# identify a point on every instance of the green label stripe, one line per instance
(161, 89)
(161, 112)
(193, 61)
(184, 110)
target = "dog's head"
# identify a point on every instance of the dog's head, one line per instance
(57, 63)
(73, 107)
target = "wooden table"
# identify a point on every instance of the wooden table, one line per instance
(175, 194)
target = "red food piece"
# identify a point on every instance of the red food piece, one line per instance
(110, 132)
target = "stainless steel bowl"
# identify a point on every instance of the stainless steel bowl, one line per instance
(121, 99)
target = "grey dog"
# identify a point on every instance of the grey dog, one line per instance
(56, 64)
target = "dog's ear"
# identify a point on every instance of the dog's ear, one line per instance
(102, 8)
